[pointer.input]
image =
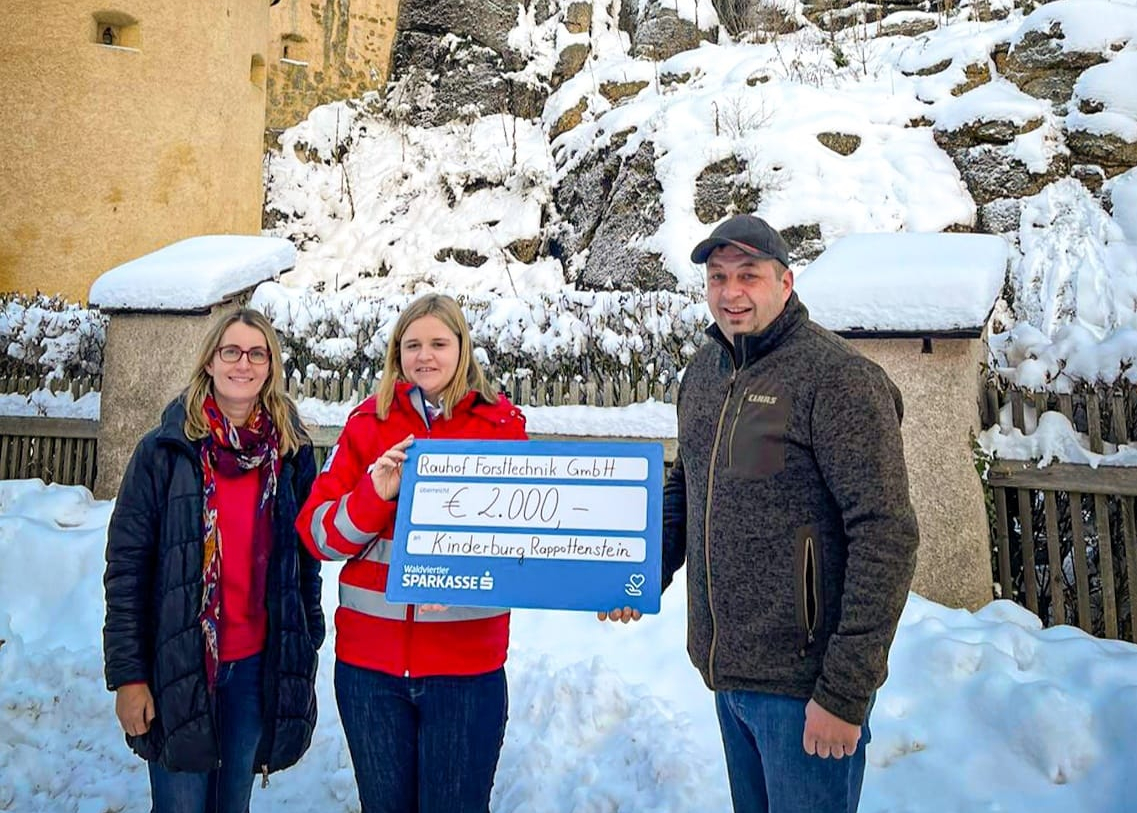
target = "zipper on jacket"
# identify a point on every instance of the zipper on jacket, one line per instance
(707, 526)
(733, 428)
(264, 776)
(810, 576)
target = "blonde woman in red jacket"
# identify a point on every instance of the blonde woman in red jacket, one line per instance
(421, 690)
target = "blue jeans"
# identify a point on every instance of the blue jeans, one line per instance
(422, 745)
(227, 788)
(767, 765)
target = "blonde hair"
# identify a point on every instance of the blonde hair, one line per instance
(273, 399)
(468, 376)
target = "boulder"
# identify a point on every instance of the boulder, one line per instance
(435, 81)
(634, 212)
(616, 92)
(1090, 176)
(992, 171)
(569, 119)
(974, 75)
(840, 143)
(581, 197)
(804, 243)
(660, 33)
(569, 63)
(911, 24)
(525, 249)
(462, 256)
(930, 70)
(578, 17)
(999, 216)
(1109, 151)
(723, 189)
(485, 23)
(761, 19)
(838, 15)
(990, 131)
(1039, 66)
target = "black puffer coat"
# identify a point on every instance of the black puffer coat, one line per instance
(153, 587)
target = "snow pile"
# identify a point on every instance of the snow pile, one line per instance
(45, 404)
(1049, 438)
(981, 711)
(373, 202)
(1100, 26)
(1110, 87)
(1075, 292)
(1076, 267)
(905, 282)
(193, 274)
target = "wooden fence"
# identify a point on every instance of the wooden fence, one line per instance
(604, 390)
(1064, 537)
(64, 450)
(607, 390)
(25, 384)
(56, 450)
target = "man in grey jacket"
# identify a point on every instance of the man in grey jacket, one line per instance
(789, 504)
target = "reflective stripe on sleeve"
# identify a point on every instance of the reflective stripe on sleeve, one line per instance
(379, 552)
(375, 604)
(458, 614)
(343, 525)
(370, 602)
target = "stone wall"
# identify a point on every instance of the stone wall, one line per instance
(323, 51)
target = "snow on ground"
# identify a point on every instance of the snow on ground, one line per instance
(981, 711)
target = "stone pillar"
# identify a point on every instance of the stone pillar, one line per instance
(160, 307)
(941, 409)
(148, 360)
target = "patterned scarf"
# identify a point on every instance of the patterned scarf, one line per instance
(229, 451)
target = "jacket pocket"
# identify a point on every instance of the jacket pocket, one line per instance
(809, 603)
(756, 434)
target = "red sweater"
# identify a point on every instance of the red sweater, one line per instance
(344, 518)
(243, 625)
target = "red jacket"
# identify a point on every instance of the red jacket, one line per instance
(344, 518)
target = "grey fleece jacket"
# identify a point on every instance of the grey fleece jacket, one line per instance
(789, 503)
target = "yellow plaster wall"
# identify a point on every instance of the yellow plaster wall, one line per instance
(108, 153)
(346, 45)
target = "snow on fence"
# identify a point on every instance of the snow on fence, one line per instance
(63, 450)
(1080, 566)
(602, 390)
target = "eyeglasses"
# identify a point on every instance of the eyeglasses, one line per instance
(231, 354)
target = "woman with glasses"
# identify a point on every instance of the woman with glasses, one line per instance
(213, 612)
(421, 689)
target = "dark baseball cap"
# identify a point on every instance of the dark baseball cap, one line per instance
(746, 233)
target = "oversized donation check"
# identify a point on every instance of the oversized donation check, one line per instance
(552, 524)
